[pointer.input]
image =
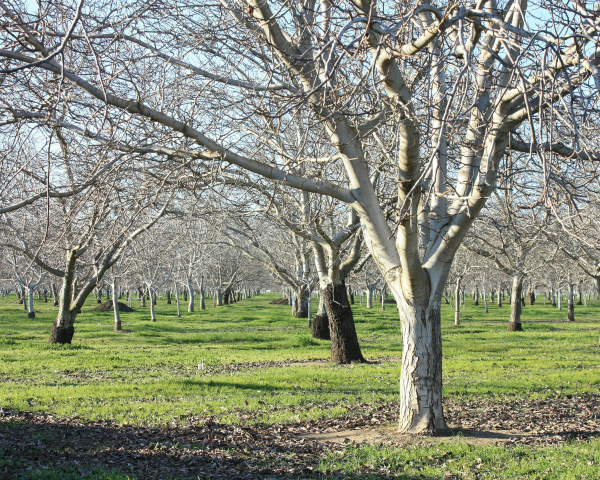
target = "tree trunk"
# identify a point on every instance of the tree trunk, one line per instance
(168, 297)
(115, 302)
(30, 311)
(191, 294)
(63, 327)
(320, 324)
(499, 296)
(344, 341)
(421, 408)
(476, 295)
(514, 324)
(152, 304)
(485, 303)
(531, 297)
(202, 300)
(570, 304)
(370, 292)
(178, 302)
(300, 309)
(54, 294)
(457, 303)
(219, 298)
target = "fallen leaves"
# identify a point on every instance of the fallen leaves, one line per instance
(206, 448)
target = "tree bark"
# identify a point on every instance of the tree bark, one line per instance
(300, 306)
(421, 408)
(570, 304)
(178, 302)
(320, 324)
(115, 302)
(30, 311)
(191, 294)
(63, 328)
(514, 324)
(344, 341)
(457, 303)
(54, 294)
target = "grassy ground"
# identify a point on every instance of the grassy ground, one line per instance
(263, 369)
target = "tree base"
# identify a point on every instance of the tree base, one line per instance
(30, 314)
(61, 334)
(514, 327)
(320, 327)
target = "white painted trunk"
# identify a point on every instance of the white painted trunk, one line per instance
(177, 302)
(421, 376)
(115, 301)
(191, 297)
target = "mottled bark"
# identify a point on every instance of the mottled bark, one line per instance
(320, 323)
(421, 408)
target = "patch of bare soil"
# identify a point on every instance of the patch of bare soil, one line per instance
(207, 449)
(280, 301)
(108, 307)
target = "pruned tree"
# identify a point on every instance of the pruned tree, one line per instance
(414, 105)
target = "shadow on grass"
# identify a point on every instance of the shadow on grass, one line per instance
(41, 446)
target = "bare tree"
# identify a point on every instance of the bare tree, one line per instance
(414, 105)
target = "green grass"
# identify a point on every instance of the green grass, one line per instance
(457, 459)
(150, 376)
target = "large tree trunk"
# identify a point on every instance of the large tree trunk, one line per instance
(514, 324)
(421, 408)
(344, 342)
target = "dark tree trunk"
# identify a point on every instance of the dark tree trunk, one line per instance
(320, 327)
(531, 297)
(344, 341)
(168, 297)
(61, 334)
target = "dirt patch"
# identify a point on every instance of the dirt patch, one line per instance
(280, 301)
(389, 436)
(108, 307)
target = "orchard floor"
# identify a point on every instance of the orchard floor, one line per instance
(243, 392)
(207, 449)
